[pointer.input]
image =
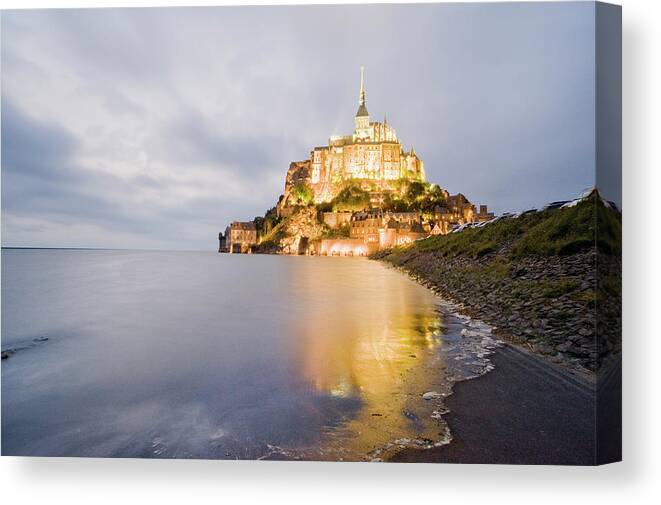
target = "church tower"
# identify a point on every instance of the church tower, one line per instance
(362, 119)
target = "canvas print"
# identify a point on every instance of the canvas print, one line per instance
(379, 233)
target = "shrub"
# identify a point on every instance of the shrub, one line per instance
(485, 249)
(575, 246)
(351, 199)
(555, 289)
(302, 193)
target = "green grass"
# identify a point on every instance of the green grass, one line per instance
(493, 271)
(477, 242)
(554, 289)
(562, 231)
(547, 233)
(590, 296)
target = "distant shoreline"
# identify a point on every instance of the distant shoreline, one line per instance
(20, 248)
(68, 248)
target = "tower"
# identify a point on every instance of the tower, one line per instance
(362, 119)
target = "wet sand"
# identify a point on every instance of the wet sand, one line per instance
(526, 411)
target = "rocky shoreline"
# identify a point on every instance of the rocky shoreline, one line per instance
(545, 304)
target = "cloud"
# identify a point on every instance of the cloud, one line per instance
(156, 127)
(40, 177)
(41, 180)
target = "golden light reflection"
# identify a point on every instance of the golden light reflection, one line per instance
(376, 343)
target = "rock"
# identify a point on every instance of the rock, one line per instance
(574, 349)
(438, 414)
(430, 395)
(410, 415)
(7, 353)
(543, 349)
(519, 272)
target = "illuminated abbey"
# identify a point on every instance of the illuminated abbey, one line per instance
(371, 157)
(358, 194)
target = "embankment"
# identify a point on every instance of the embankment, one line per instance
(549, 280)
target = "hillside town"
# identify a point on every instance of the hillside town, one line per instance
(354, 196)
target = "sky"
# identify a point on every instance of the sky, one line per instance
(155, 127)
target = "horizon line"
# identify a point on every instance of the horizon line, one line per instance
(103, 249)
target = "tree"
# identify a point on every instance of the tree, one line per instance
(302, 193)
(392, 203)
(351, 199)
(259, 225)
(265, 224)
(415, 190)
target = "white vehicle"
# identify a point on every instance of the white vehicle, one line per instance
(553, 205)
(492, 220)
(572, 203)
(500, 218)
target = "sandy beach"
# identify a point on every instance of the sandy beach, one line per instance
(526, 411)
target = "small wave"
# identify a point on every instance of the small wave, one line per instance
(7, 353)
(466, 345)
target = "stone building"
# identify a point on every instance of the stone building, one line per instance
(456, 211)
(459, 206)
(345, 247)
(396, 233)
(222, 243)
(371, 157)
(484, 214)
(240, 237)
(366, 225)
(373, 230)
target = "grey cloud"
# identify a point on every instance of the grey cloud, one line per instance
(193, 139)
(168, 123)
(39, 177)
(33, 148)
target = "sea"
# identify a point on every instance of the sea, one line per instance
(158, 354)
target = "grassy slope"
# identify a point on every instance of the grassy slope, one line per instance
(547, 233)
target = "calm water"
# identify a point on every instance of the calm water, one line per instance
(201, 355)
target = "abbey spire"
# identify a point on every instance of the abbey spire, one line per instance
(362, 110)
(362, 119)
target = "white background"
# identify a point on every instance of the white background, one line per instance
(637, 480)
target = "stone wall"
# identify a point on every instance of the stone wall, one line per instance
(336, 219)
(346, 247)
